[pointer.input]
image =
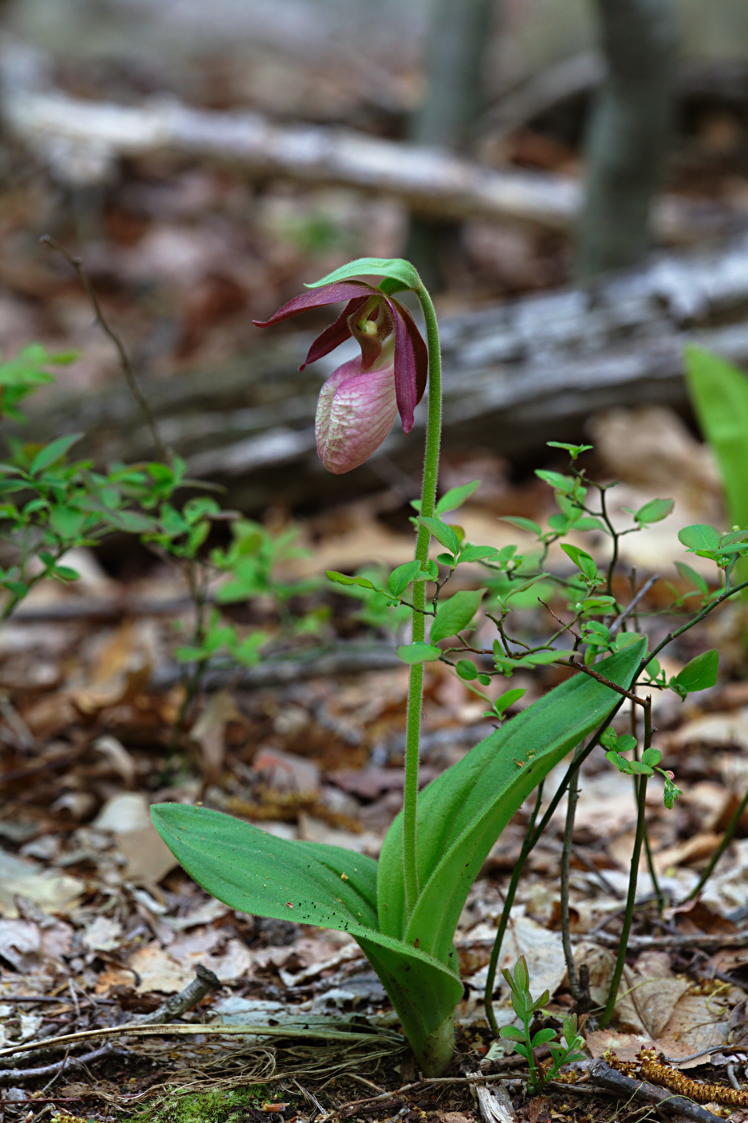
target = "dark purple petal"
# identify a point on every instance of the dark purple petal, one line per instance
(317, 298)
(410, 364)
(336, 334)
(419, 348)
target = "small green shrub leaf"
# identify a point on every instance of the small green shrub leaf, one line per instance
(581, 559)
(523, 524)
(53, 452)
(699, 673)
(454, 614)
(402, 576)
(479, 553)
(346, 579)
(455, 497)
(418, 653)
(692, 577)
(654, 511)
(700, 536)
(442, 533)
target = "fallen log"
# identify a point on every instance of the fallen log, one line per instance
(80, 140)
(515, 376)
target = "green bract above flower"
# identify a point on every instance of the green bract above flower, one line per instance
(358, 403)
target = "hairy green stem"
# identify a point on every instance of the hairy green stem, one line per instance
(415, 685)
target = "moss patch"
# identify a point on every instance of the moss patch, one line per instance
(219, 1106)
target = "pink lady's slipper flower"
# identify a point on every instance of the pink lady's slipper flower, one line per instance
(359, 401)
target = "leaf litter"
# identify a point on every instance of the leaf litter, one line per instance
(97, 926)
(95, 914)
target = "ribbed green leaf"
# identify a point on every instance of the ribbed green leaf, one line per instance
(719, 392)
(463, 811)
(309, 883)
(256, 872)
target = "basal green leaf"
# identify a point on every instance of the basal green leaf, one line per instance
(310, 883)
(454, 614)
(254, 871)
(463, 811)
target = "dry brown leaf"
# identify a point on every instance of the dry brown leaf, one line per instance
(52, 891)
(698, 1022)
(692, 850)
(729, 728)
(209, 733)
(127, 817)
(624, 1045)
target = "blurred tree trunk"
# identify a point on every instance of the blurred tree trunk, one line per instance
(628, 133)
(458, 35)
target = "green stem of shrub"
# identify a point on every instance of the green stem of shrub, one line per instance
(565, 872)
(628, 916)
(533, 835)
(415, 685)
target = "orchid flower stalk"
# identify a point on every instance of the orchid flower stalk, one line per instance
(403, 909)
(355, 412)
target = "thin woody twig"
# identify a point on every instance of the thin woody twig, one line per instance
(174, 1006)
(123, 357)
(687, 940)
(177, 1004)
(632, 605)
(604, 1076)
(17, 1076)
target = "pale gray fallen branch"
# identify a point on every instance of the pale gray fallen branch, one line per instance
(175, 1005)
(167, 1029)
(281, 672)
(81, 139)
(18, 1076)
(686, 940)
(514, 374)
(204, 982)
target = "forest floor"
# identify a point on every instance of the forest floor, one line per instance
(99, 926)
